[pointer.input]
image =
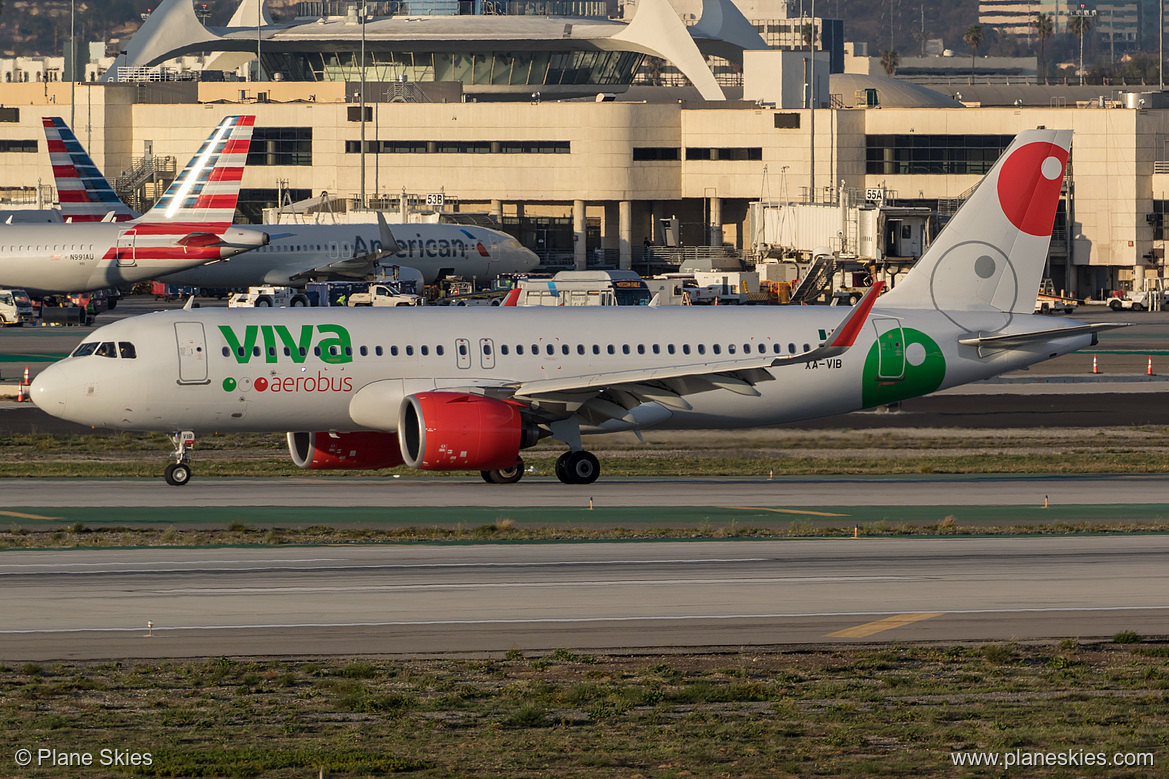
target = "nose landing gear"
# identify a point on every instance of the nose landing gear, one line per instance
(178, 473)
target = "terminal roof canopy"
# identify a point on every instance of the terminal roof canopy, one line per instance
(559, 56)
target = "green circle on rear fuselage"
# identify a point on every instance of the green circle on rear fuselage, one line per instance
(889, 376)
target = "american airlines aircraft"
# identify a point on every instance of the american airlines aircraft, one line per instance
(190, 225)
(298, 252)
(469, 389)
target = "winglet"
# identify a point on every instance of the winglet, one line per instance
(513, 297)
(390, 244)
(843, 337)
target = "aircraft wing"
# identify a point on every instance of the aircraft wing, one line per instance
(359, 267)
(611, 395)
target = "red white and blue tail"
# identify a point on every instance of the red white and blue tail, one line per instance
(208, 188)
(84, 193)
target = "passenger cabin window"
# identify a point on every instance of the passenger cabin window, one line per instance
(364, 351)
(378, 351)
(227, 351)
(84, 350)
(409, 351)
(503, 349)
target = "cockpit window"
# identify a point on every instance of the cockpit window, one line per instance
(85, 349)
(127, 350)
(106, 350)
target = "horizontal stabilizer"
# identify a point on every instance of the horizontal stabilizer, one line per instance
(200, 239)
(1016, 339)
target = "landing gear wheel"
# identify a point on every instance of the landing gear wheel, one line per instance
(578, 468)
(504, 475)
(177, 474)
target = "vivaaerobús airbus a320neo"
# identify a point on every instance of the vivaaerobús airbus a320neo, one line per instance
(470, 389)
(190, 225)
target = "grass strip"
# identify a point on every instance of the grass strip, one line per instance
(683, 466)
(36, 528)
(889, 710)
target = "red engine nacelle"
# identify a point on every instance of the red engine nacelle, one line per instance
(366, 450)
(455, 431)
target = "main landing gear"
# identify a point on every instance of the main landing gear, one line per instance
(579, 467)
(504, 475)
(178, 473)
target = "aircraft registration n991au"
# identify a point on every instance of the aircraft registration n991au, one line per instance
(469, 389)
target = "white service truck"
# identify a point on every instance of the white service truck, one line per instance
(384, 294)
(1152, 298)
(15, 307)
(268, 297)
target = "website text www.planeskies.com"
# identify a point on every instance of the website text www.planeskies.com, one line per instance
(1047, 758)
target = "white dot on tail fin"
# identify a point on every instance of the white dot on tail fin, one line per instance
(1052, 168)
(915, 354)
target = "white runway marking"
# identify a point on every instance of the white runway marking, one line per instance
(566, 583)
(575, 620)
(354, 565)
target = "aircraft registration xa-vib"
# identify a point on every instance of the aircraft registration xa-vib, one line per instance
(469, 389)
(300, 252)
(190, 225)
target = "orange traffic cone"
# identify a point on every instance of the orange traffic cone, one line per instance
(26, 375)
(1149, 370)
(1095, 367)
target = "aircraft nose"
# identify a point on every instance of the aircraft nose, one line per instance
(48, 390)
(531, 259)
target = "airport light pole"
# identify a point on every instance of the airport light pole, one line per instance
(361, 19)
(72, 65)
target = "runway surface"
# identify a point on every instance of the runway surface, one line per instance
(651, 495)
(420, 600)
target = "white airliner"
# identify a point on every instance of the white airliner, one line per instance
(468, 389)
(298, 252)
(190, 225)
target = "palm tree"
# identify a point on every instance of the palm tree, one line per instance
(973, 38)
(1079, 26)
(1043, 30)
(889, 61)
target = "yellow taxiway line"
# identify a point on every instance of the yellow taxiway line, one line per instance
(869, 628)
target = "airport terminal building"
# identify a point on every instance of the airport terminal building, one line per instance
(592, 178)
